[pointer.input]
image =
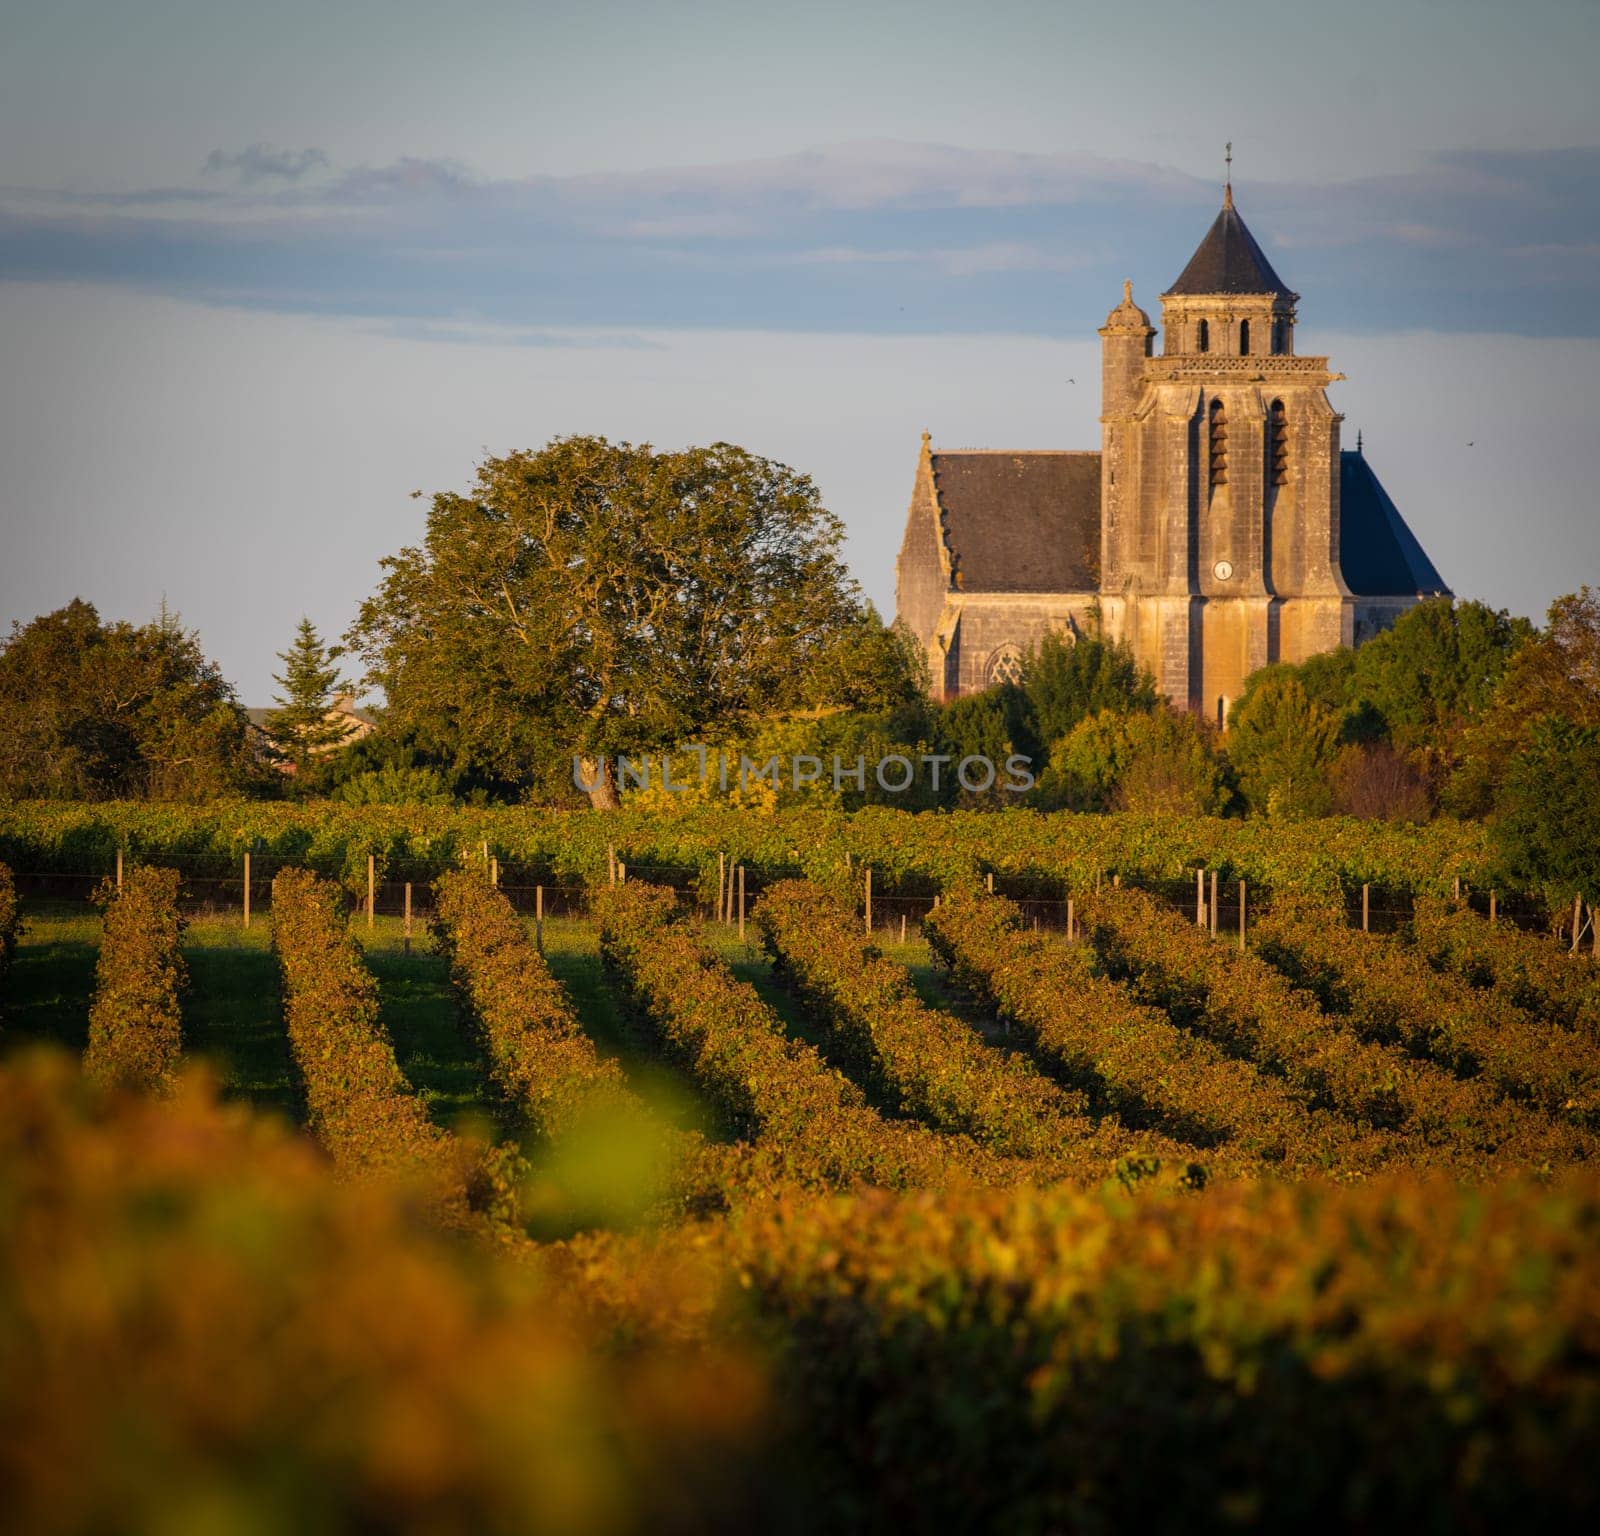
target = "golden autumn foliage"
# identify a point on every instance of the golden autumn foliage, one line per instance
(204, 1330)
(135, 1028)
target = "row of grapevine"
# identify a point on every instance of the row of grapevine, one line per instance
(9, 920)
(813, 1123)
(1395, 1354)
(935, 1066)
(359, 1104)
(1132, 1060)
(1390, 993)
(135, 1023)
(545, 1063)
(1527, 971)
(1059, 849)
(1250, 1009)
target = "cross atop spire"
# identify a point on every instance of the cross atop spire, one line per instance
(1227, 182)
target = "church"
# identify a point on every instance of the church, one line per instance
(1220, 526)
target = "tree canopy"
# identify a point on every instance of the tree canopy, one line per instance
(96, 711)
(593, 598)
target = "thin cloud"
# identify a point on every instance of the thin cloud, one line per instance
(262, 162)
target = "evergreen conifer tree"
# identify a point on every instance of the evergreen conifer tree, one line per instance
(303, 727)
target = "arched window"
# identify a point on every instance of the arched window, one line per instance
(1005, 666)
(1205, 336)
(1244, 338)
(1278, 443)
(1218, 424)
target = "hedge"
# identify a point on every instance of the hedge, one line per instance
(135, 1024)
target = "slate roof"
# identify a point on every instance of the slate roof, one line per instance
(1021, 522)
(1229, 261)
(1380, 556)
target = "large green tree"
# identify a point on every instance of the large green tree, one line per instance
(95, 711)
(1282, 742)
(1066, 680)
(591, 599)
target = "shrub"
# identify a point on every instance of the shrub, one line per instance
(135, 1028)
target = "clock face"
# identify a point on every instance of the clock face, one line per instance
(1223, 569)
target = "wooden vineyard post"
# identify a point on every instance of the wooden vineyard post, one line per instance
(869, 899)
(1213, 903)
(247, 890)
(538, 918)
(486, 853)
(1071, 923)
(1241, 916)
(741, 902)
(1199, 898)
(1366, 908)
(622, 873)
(988, 882)
(494, 870)
(1116, 882)
(902, 927)
(611, 864)
(119, 869)
(1577, 921)
(408, 917)
(1458, 888)
(372, 889)
(1491, 906)
(722, 876)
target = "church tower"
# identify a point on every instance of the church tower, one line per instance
(1220, 480)
(1219, 527)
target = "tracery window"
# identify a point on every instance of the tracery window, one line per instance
(1005, 666)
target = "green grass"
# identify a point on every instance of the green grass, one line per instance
(572, 951)
(51, 982)
(432, 1044)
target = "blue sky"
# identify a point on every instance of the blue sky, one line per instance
(262, 272)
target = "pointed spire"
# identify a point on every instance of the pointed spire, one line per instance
(927, 440)
(1228, 260)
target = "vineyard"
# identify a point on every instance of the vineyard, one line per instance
(975, 1176)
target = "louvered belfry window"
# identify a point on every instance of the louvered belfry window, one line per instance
(1205, 336)
(1218, 421)
(1280, 443)
(1244, 338)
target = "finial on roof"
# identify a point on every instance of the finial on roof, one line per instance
(1358, 439)
(1227, 183)
(927, 437)
(1127, 290)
